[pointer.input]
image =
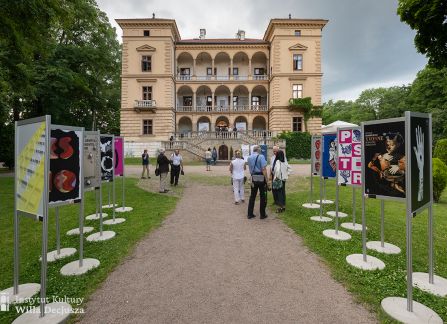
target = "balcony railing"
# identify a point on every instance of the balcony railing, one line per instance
(181, 77)
(217, 108)
(204, 135)
(145, 104)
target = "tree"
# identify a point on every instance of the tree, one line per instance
(428, 18)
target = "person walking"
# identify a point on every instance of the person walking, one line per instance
(257, 166)
(163, 169)
(237, 169)
(214, 155)
(176, 166)
(208, 156)
(279, 176)
(145, 163)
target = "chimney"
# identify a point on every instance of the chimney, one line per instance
(240, 34)
(202, 33)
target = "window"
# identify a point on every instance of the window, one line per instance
(209, 71)
(187, 101)
(185, 71)
(256, 100)
(297, 62)
(235, 71)
(146, 63)
(297, 124)
(297, 91)
(297, 32)
(235, 101)
(259, 71)
(146, 33)
(147, 127)
(147, 93)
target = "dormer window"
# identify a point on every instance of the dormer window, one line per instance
(146, 33)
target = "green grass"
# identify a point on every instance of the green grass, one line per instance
(370, 287)
(298, 161)
(149, 211)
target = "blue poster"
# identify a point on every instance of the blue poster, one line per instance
(328, 162)
(264, 150)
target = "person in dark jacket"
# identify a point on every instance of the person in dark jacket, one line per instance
(163, 167)
(214, 155)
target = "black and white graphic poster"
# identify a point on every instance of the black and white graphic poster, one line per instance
(106, 145)
(385, 164)
(92, 160)
(65, 165)
(420, 141)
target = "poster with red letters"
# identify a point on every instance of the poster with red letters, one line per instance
(349, 158)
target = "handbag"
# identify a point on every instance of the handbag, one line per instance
(182, 173)
(257, 177)
(157, 171)
(277, 184)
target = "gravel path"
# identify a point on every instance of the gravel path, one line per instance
(208, 263)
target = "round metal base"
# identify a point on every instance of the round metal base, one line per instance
(109, 206)
(341, 236)
(438, 288)
(332, 213)
(387, 248)
(324, 202)
(371, 263)
(76, 231)
(26, 291)
(123, 209)
(97, 237)
(311, 205)
(396, 307)
(73, 268)
(114, 221)
(352, 227)
(65, 252)
(96, 216)
(54, 313)
(322, 219)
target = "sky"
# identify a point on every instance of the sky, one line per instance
(364, 45)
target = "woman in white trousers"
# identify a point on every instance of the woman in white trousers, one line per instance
(237, 169)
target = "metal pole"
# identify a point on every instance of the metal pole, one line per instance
(324, 188)
(16, 251)
(336, 206)
(321, 197)
(100, 208)
(409, 263)
(363, 228)
(123, 192)
(81, 230)
(124, 205)
(58, 232)
(353, 206)
(113, 208)
(382, 223)
(311, 185)
(430, 246)
(96, 202)
(108, 187)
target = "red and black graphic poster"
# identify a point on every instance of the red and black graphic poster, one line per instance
(65, 165)
(385, 159)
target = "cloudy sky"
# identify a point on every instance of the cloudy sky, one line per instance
(365, 45)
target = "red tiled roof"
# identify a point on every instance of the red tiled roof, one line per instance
(222, 41)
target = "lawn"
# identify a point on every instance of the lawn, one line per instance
(149, 211)
(371, 287)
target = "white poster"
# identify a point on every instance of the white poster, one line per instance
(204, 127)
(245, 151)
(241, 127)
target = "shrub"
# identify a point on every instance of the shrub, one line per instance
(439, 178)
(441, 150)
(297, 144)
(7, 146)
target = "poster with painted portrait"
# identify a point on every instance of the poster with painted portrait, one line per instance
(385, 166)
(66, 146)
(106, 146)
(92, 160)
(316, 151)
(421, 161)
(328, 162)
(119, 156)
(349, 160)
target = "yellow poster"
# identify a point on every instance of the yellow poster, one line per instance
(31, 168)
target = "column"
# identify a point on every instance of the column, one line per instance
(267, 70)
(194, 103)
(231, 101)
(249, 100)
(249, 68)
(212, 98)
(194, 68)
(231, 68)
(267, 101)
(212, 71)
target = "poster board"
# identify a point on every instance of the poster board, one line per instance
(245, 148)
(32, 163)
(119, 156)
(106, 147)
(66, 158)
(328, 162)
(241, 126)
(92, 160)
(263, 150)
(384, 166)
(419, 140)
(349, 156)
(316, 152)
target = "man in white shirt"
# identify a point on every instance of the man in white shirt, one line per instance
(176, 165)
(237, 168)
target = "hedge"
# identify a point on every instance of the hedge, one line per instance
(297, 144)
(439, 178)
(441, 150)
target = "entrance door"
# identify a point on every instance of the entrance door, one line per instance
(223, 152)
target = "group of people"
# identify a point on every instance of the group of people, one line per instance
(262, 179)
(164, 164)
(210, 158)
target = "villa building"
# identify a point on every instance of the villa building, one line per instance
(192, 93)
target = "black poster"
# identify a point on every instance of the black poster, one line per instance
(106, 158)
(420, 135)
(385, 166)
(64, 166)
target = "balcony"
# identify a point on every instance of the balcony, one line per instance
(145, 105)
(182, 77)
(219, 109)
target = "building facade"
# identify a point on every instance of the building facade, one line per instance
(180, 89)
